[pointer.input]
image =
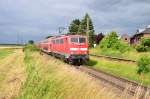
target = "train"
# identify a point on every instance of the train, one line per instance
(72, 49)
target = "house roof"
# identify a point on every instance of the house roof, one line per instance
(145, 31)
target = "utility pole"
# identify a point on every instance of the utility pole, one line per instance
(61, 29)
(87, 31)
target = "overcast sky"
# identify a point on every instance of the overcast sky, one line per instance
(35, 19)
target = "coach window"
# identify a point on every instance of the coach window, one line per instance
(57, 41)
(53, 41)
(45, 41)
(74, 40)
(61, 41)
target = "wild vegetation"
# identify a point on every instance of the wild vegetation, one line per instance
(112, 46)
(125, 70)
(144, 65)
(49, 78)
(112, 43)
(144, 45)
(31, 47)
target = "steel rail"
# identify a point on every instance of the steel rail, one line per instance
(113, 58)
(116, 81)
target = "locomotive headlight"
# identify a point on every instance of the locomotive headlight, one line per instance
(83, 49)
(74, 49)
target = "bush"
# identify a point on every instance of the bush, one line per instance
(31, 47)
(123, 47)
(145, 42)
(141, 48)
(143, 65)
(112, 42)
(144, 46)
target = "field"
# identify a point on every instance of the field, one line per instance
(5, 52)
(10, 46)
(11, 73)
(30, 75)
(122, 69)
(132, 55)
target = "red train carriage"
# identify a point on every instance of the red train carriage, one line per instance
(70, 48)
(45, 45)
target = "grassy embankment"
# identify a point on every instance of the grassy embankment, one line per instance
(122, 69)
(11, 73)
(132, 54)
(49, 78)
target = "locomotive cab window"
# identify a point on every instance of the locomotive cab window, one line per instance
(78, 40)
(82, 40)
(74, 40)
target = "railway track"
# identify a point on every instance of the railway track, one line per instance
(120, 83)
(113, 58)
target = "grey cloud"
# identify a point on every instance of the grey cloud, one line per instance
(35, 19)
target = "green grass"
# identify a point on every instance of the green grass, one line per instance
(126, 70)
(48, 78)
(132, 54)
(5, 52)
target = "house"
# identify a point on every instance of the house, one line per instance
(136, 38)
(125, 38)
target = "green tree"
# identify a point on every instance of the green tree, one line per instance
(143, 65)
(144, 45)
(48, 36)
(145, 42)
(83, 28)
(110, 41)
(31, 42)
(74, 26)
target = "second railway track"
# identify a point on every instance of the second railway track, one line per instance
(114, 58)
(118, 82)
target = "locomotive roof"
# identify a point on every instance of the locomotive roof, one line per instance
(62, 36)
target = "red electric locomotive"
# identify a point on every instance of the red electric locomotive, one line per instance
(70, 48)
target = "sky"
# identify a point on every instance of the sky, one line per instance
(23, 20)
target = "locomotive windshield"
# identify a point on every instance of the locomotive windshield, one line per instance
(78, 40)
(74, 40)
(81, 40)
